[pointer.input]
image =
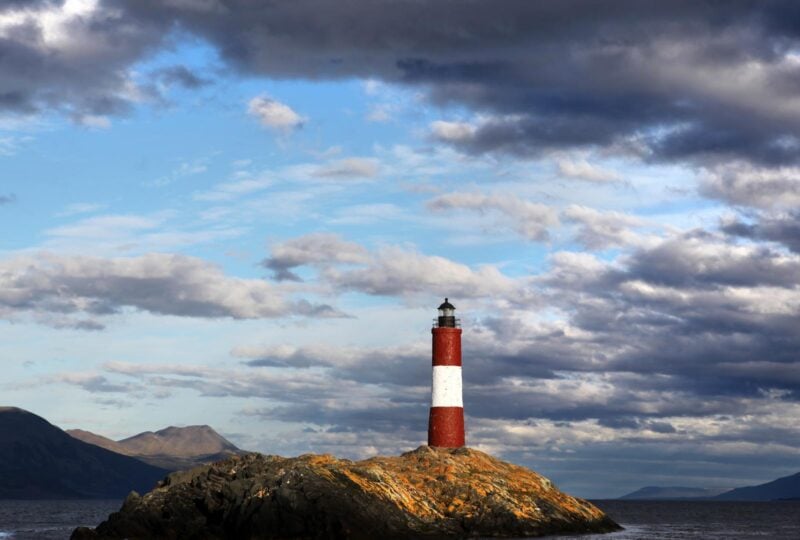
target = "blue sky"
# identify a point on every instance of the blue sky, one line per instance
(242, 220)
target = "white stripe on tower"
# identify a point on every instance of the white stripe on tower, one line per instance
(446, 387)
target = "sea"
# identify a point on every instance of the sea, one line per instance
(643, 520)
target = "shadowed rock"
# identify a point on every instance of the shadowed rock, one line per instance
(425, 493)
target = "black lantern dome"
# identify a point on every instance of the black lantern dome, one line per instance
(447, 315)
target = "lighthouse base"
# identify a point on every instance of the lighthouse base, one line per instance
(446, 427)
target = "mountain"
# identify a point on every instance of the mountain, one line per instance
(671, 492)
(171, 448)
(39, 460)
(787, 487)
(426, 493)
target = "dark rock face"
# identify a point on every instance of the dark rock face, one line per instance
(40, 461)
(427, 493)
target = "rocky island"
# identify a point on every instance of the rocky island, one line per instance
(425, 493)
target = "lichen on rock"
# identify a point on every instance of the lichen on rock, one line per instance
(426, 493)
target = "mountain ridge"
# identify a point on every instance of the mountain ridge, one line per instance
(39, 460)
(783, 488)
(172, 448)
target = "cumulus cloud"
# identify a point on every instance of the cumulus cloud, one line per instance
(782, 227)
(388, 270)
(743, 184)
(274, 114)
(397, 271)
(315, 249)
(72, 287)
(601, 230)
(529, 219)
(580, 169)
(452, 131)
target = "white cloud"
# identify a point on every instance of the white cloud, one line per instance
(529, 219)
(314, 249)
(274, 114)
(580, 169)
(453, 131)
(94, 121)
(601, 230)
(397, 271)
(354, 167)
(744, 184)
(158, 283)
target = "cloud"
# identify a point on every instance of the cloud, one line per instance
(397, 271)
(452, 131)
(389, 270)
(354, 167)
(743, 184)
(274, 114)
(7, 199)
(580, 169)
(600, 230)
(529, 219)
(181, 76)
(71, 286)
(678, 82)
(782, 227)
(74, 57)
(315, 249)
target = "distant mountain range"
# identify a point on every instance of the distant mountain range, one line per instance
(171, 448)
(672, 492)
(40, 461)
(784, 488)
(787, 487)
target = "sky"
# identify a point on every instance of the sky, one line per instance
(244, 214)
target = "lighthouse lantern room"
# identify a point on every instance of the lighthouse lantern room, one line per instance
(446, 423)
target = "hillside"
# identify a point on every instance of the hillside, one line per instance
(427, 493)
(39, 460)
(670, 492)
(787, 487)
(171, 448)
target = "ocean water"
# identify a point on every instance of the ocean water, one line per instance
(51, 520)
(709, 520)
(643, 520)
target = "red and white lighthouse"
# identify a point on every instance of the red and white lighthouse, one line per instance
(446, 424)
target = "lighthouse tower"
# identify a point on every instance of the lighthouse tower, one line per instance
(446, 424)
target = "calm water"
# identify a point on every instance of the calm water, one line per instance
(50, 520)
(662, 520)
(55, 520)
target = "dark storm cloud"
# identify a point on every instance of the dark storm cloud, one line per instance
(684, 79)
(666, 80)
(783, 228)
(181, 75)
(75, 63)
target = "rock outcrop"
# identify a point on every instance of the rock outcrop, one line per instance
(426, 493)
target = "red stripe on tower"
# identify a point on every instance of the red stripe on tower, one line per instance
(446, 423)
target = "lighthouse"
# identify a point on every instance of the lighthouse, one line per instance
(446, 423)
